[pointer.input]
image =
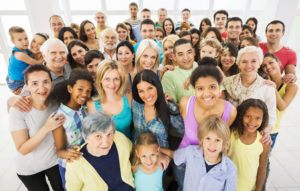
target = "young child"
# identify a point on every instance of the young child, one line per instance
(72, 96)
(19, 59)
(210, 48)
(147, 173)
(246, 151)
(207, 166)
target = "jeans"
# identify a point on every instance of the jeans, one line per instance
(179, 172)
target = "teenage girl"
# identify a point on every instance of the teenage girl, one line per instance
(72, 96)
(147, 173)
(246, 150)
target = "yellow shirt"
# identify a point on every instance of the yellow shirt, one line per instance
(246, 158)
(279, 114)
(99, 31)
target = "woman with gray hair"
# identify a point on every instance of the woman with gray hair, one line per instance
(105, 163)
(248, 84)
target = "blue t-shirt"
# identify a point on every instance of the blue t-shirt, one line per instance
(108, 167)
(16, 67)
(148, 182)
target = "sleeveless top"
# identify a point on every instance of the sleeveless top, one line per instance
(16, 67)
(279, 114)
(191, 124)
(123, 119)
(148, 182)
(246, 158)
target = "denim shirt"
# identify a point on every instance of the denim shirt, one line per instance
(221, 177)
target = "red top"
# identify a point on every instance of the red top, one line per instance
(224, 34)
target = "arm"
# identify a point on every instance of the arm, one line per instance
(27, 59)
(290, 73)
(182, 106)
(232, 115)
(168, 85)
(25, 144)
(290, 92)
(167, 152)
(19, 102)
(261, 173)
(90, 106)
(231, 181)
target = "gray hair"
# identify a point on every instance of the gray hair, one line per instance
(101, 41)
(98, 121)
(44, 48)
(250, 49)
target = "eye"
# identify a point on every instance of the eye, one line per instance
(207, 138)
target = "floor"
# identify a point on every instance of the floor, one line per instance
(285, 158)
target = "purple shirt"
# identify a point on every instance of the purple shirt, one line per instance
(191, 125)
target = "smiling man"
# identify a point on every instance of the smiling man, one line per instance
(274, 32)
(108, 44)
(220, 20)
(162, 15)
(234, 29)
(56, 23)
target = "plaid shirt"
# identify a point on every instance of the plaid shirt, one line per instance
(156, 126)
(72, 127)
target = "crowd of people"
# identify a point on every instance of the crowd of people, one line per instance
(148, 105)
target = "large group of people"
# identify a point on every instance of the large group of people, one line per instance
(148, 105)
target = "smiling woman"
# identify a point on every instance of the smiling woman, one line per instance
(88, 35)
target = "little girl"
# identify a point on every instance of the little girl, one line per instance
(210, 48)
(147, 173)
(207, 167)
(246, 151)
(71, 95)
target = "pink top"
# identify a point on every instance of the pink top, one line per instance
(191, 125)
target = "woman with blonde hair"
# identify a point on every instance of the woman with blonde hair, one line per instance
(123, 33)
(110, 85)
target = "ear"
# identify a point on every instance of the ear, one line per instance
(136, 153)
(69, 89)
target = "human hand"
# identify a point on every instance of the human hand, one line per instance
(266, 139)
(163, 161)
(168, 67)
(54, 121)
(73, 154)
(169, 98)
(22, 104)
(289, 78)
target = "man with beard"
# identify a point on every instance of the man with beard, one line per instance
(108, 44)
(234, 29)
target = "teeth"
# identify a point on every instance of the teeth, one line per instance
(207, 99)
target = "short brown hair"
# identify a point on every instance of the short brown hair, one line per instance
(15, 29)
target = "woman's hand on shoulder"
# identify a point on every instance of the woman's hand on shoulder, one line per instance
(163, 161)
(266, 139)
(54, 121)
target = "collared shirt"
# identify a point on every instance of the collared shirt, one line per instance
(156, 126)
(221, 177)
(72, 127)
(59, 78)
(107, 56)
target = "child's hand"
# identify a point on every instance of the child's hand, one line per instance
(73, 154)
(54, 121)
(186, 84)
(163, 161)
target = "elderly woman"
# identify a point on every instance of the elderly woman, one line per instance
(248, 84)
(105, 163)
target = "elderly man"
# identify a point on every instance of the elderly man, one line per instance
(108, 44)
(56, 23)
(55, 54)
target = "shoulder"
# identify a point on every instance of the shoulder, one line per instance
(122, 141)
(184, 101)
(229, 164)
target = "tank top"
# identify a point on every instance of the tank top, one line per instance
(123, 119)
(191, 124)
(279, 114)
(246, 158)
(148, 182)
(16, 67)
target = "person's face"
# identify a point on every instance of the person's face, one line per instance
(211, 34)
(148, 155)
(20, 40)
(270, 66)
(90, 31)
(111, 82)
(159, 35)
(274, 33)
(92, 67)
(80, 92)
(252, 119)
(56, 24)
(195, 38)
(245, 43)
(76, 30)
(245, 33)
(56, 56)
(185, 16)
(147, 31)
(208, 51)
(220, 21)
(207, 91)
(168, 49)
(110, 40)
(204, 26)
(68, 37)
(212, 146)
(78, 53)
(184, 56)
(100, 19)
(234, 29)
(145, 15)
(249, 64)
(168, 27)
(251, 24)
(122, 33)
(99, 143)
(227, 60)
(39, 85)
(187, 37)
(125, 56)
(148, 59)
(133, 10)
(147, 92)
(36, 44)
(162, 15)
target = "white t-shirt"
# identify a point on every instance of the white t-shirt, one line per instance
(44, 156)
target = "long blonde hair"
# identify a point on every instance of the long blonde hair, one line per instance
(172, 38)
